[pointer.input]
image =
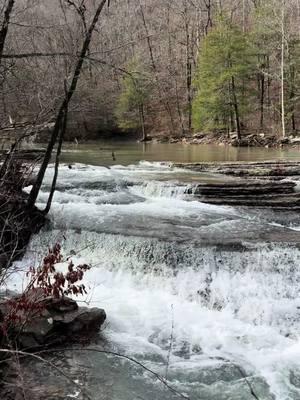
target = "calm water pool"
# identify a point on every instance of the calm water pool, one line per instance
(100, 153)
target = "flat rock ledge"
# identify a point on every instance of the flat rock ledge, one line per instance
(264, 170)
(59, 322)
(269, 184)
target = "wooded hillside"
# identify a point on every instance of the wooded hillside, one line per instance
(155, 66)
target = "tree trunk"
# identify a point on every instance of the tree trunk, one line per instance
(209, 20)
(244, 16)
(268, 82)
(188, 76)
(5, 24)
(262, 101)
(172, 72)
(292, 100)
(292, 87)
(293, 122)
(282, 68)
(58, 153)
(178, 107)
(165, 103)
(142, 121)
(57, 127)
(236, 109)
(231, 120)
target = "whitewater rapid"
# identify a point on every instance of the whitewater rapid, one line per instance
(195, 292)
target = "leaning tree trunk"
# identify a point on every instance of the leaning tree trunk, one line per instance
(58, 153)
(63, 109)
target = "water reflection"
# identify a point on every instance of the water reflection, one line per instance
(100, 153)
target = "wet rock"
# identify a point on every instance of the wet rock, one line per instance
(295, 378)
(295, 141)
(240, 143)
(182, 349)
(61, 305)
(58, 321)
(147, 139)
(285, 141)
(197, 349)
(213, 375)
(258, 184)
(199, 136)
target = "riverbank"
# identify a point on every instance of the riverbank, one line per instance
(17, 221)
(247, 140)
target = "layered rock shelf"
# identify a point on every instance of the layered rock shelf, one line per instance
(273, 170)
(256, 184)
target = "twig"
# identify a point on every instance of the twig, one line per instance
(171, 341)
(52, 365)
(115, 354)
(246, 380)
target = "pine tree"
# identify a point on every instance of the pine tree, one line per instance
(130, 109)
(225, 65)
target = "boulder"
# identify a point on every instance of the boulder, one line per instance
(147, 139)
(199, 136)
(58, 321)
(285, 141)
(240, 143)
(295, 140)
(162, 139)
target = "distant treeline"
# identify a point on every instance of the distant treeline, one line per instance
(158, 66)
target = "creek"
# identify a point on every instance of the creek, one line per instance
(205, 295)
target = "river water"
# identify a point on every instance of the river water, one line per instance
(203, 295)
(125, 153)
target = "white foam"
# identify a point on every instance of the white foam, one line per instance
(255, 306)
(152, 274)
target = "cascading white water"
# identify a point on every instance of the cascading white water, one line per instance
(183, 283)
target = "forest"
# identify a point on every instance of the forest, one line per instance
(162, 68)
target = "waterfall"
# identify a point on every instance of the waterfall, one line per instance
(194, 286)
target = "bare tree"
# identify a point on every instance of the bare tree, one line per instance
(59, 124)
(5, 24)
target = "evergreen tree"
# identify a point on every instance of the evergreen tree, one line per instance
(130, 109)
(225, 65)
